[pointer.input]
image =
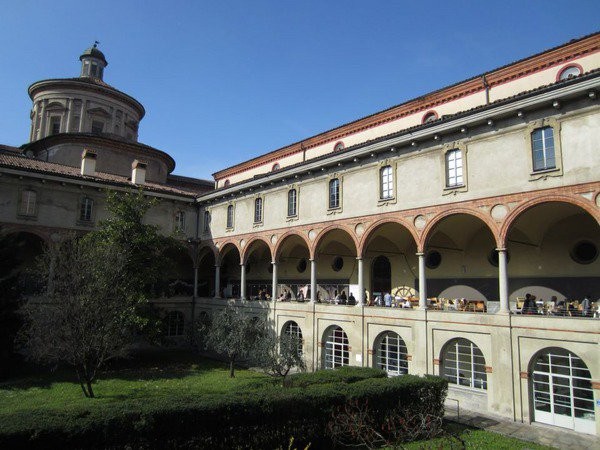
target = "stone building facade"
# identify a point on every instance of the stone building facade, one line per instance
(457, 203)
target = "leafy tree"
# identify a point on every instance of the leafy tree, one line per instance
(234, 335)
(279, 355)
(96, 289)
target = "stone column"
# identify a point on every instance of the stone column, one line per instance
(217, 281)
(422, 282)
(274, 282)
(42, 127)
(360, 296)
(243, 281)
(503, 282)
(82, 117)
(313, 280)
(69, 116)
(34, 119)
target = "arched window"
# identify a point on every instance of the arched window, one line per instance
(275, 167)
(28, 203)
(258, 210)
(227, 183)
(175, 321)
(542, 148)
(338, 147)
(386, 182)
(230, 216)
(570, 71)
(337, 351)
(454, 168)
(180, 221)
(334, 193)
(292, 205)
(462, 363)
(431, 116)
(291, 328)
(85, 209)
(206, 221)
(562, 390)
(390, 354)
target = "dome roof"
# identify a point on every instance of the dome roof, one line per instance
(94, 52)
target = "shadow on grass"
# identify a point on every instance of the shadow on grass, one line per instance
(149, 365)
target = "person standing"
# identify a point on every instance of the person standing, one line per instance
(387, 300)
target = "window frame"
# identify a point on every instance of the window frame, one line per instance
(384, 359)
(336, 348)
(258, 215)
(28, 208)
(291, 328)
(293, 213)
(445, 169)
(86, 211)
(230, 217)
(175, 324)
(557, 170)
(338, 205)
(206, 222)
(452, 369)
(383, 200)
(179, 221)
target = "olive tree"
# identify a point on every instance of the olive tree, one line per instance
(279, 355)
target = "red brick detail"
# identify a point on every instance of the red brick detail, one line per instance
(247, 250)
(488, 369)
(436, 362)
(596, 385)
(281, 239)
(409, 357)
(372, 228)
(336, 226)
(524, 375)
(370, 351)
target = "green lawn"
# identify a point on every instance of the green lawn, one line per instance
(176, 374)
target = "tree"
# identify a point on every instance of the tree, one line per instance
(234, 335)
(278, 355)
(96, 289)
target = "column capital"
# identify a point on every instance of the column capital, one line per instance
(420, 253)
(501, 249)
(274, 263)
(359, 258)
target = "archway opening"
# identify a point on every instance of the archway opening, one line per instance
(258, 270)
(337, 268)
(230, 271)
(293, 259)
(337, 349)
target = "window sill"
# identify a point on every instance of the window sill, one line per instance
(335, 210)
(87, 223)
(229, 229)
(455, 189)
(27, 217)
(545, 173)
(291, 218)
(257, 224)
(386, 201)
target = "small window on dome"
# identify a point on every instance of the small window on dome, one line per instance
(431, 116)
(227, 183)
(275, 167)
(97, 126)
(338, 147)
(569, 72)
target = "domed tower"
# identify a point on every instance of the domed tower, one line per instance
(84, 112)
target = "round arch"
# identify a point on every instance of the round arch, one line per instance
(252, 245)
(227, 246)
(511, 218)
(325, 231)
(372, 229)
(462, 363)
(336, 348)
(286, 236)
(390, 353)
(439, 218)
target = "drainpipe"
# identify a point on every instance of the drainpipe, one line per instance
(487, 89)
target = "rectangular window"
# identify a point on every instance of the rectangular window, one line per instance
(292, 203)
(54, 125)
(334, 193)
(85, 211)
(454, 168)
(387, 182)
(97, 126)
(180, 221)
(542, 143)
(28, 203)
(206, 221)
(230, 216)
(258, 210)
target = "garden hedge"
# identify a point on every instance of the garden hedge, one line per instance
(259, 419)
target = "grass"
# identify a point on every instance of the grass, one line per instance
(175, 374)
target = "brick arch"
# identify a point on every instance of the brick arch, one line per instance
(374, 226)
(485, 218)
(282, 239)
(225, 244)
(211, 248)
(243, 253)
(43, 234)
(312, 249)
(587, 205)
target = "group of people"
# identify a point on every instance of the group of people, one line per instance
(558, 307)
(388, 301)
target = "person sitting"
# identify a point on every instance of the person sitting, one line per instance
(288, 296)
(378, 300)
(407, 304)
(351, 300)
(263, 294)
(300, 296)
(343, 299)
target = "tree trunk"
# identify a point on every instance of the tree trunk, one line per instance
(89, 388)
(231, 369)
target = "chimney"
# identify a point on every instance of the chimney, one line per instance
(138, 172)
(88, 163)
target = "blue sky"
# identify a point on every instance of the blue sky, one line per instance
(225, 81)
